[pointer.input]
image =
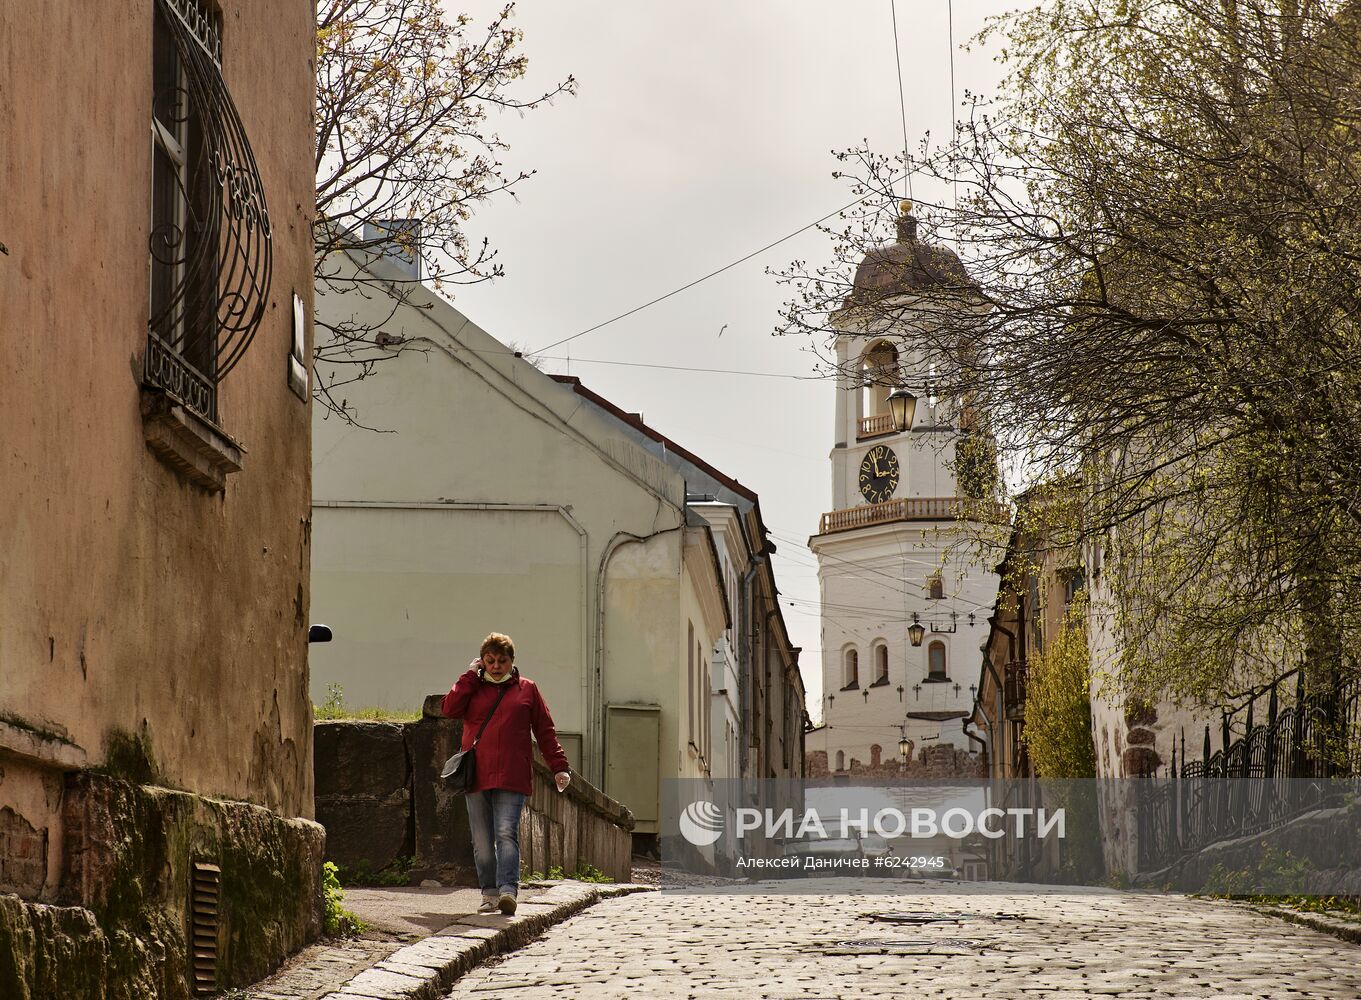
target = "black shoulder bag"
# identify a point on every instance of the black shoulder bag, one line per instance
(460, 770)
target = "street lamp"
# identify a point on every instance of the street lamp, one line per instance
(903, 406)
(916, 631)
(904, 747)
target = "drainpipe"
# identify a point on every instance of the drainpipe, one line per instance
(597, 707)
(767, 742)
(744, 664)
(1001, 687)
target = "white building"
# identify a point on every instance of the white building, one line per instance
(501, 500)
(754, 727)
(903, 544)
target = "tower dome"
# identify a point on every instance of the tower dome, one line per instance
(907, 267)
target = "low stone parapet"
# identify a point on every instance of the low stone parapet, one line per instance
(380, 798)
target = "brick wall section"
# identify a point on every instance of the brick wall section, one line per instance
(23, 855)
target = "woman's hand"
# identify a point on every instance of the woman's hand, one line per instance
(563, 779)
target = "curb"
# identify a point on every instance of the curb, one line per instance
(1347, 930)
(427, 969)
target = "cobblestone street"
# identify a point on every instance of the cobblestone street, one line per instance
(1060, 945)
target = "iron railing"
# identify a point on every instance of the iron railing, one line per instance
(1271, 773)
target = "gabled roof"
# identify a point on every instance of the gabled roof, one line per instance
(636, 422)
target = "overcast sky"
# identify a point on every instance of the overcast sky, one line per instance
(703, 131)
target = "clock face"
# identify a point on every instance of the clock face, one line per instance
(878, 474)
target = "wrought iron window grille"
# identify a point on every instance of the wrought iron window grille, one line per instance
(210, 246)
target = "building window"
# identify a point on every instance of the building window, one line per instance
(880, 664)
(935, 662)
(851, 675)
(1072, 584)
(935, 587)
(841, 760)
(209, 249)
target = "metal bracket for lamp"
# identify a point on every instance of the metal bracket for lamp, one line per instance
(916, 632)
(954, 624)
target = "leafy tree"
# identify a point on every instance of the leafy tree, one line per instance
(1058, 729)
(1162, 230)
(405, 152)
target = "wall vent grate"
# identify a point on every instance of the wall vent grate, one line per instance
(203, 918)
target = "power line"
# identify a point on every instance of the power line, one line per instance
(643, 364)
(683, 368)
(711, 274)
(909, 170)
(902, 98)
(954, 106)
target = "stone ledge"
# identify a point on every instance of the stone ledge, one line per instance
(428, 969)
(190, 444)
(40, 748)
(1347, 930)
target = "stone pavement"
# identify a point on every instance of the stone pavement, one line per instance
(994, 942)
(420, 941)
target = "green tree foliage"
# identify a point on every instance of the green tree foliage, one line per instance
(1161, 222)
(1058, 730)
(404, 131)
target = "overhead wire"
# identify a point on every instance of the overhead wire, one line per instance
(902, 98)
(712, 274)
(954, 105)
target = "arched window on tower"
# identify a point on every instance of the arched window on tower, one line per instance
(935, 587)
(880, 664)
(851, 674)
(935, 662)
(879, 376)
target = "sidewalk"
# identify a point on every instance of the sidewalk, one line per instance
(422, 939)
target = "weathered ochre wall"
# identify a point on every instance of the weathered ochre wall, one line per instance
(127, 597)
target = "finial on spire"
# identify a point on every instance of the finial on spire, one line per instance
(907, 223)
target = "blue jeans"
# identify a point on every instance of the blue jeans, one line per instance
(494, 818)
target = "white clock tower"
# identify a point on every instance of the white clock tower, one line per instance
(905, 558)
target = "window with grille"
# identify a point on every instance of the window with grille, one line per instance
(210, 254)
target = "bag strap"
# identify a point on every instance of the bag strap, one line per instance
(504, 687)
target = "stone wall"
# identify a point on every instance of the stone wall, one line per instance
(941, 761)
(380, 799)
(1325, 843)
(120, 926)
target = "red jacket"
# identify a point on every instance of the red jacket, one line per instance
(505, 753)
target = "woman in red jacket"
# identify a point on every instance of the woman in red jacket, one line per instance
(502, 777)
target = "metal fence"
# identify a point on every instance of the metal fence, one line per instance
(1273, 771)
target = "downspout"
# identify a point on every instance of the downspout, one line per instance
(744, 664)
(1001, 688)
(597, 708)
(766, 742)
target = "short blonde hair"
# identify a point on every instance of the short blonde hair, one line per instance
(497, 642)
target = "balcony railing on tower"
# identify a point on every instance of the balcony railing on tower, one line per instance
(914, 509)
(880, 423)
